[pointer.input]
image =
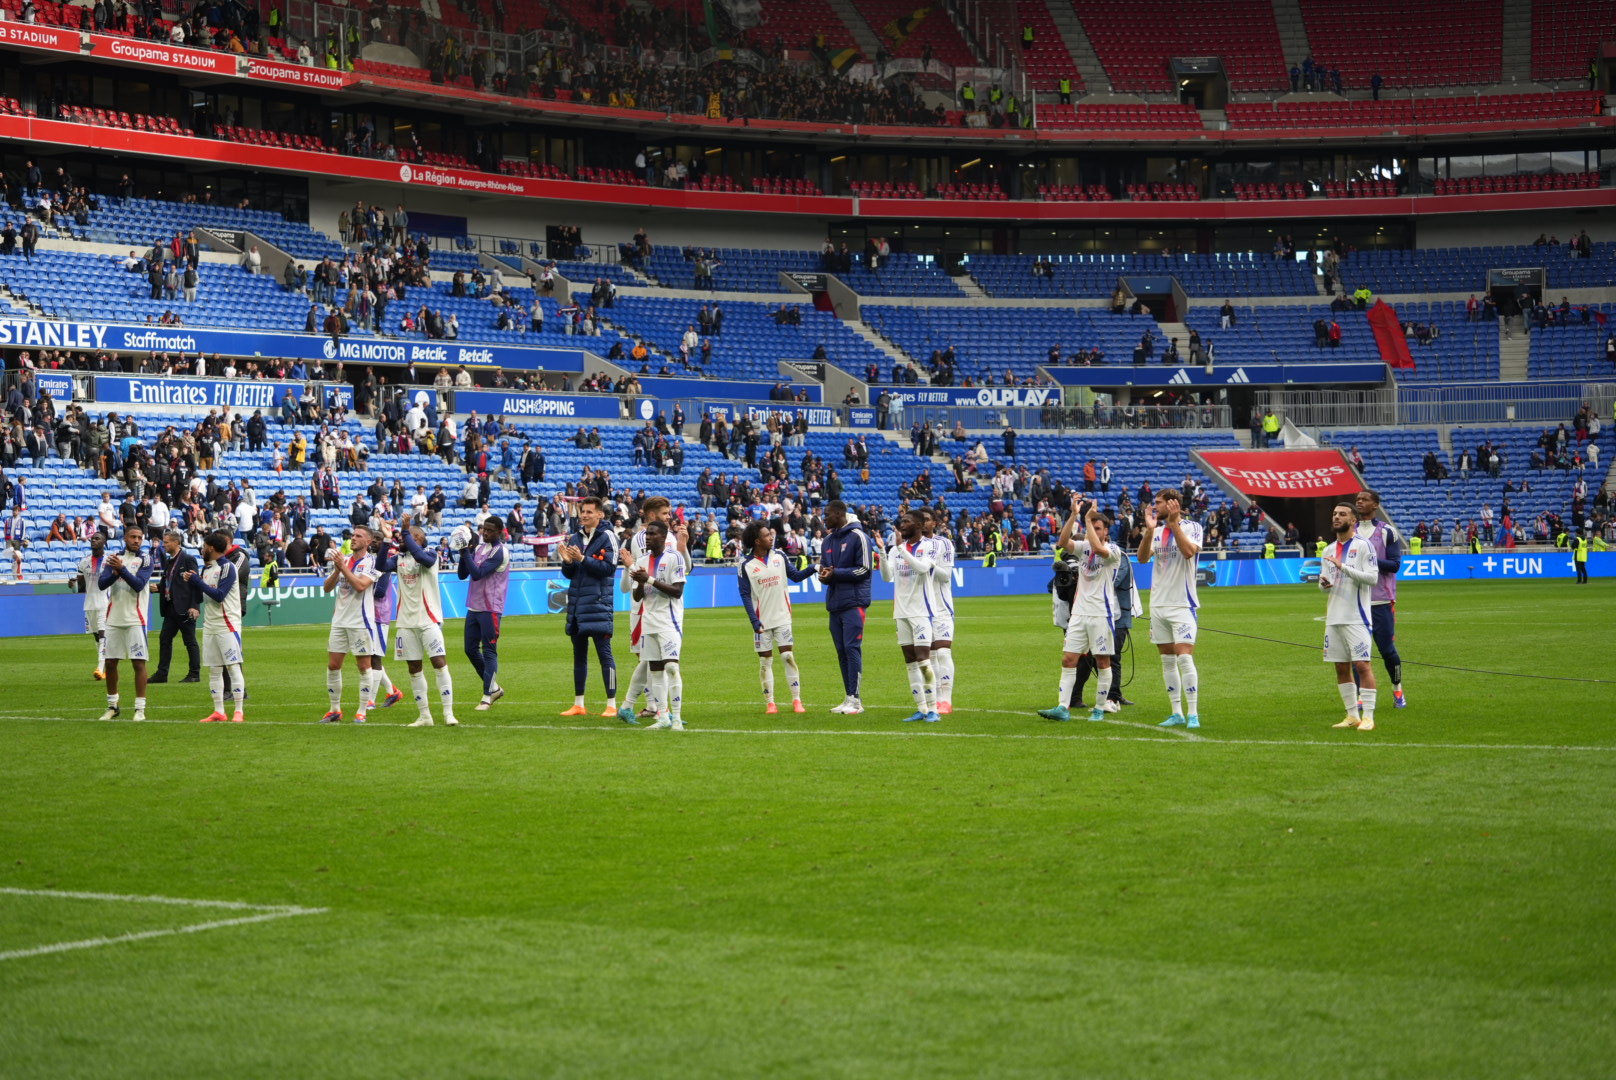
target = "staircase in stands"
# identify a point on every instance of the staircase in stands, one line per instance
(863, 35)
(1517, 60)
(1514, 352)
(898, 355)
(1078, 44)
(1292, 31)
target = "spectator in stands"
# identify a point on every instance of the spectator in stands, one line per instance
(1226, 317)
(253, 260)
(1375, 83)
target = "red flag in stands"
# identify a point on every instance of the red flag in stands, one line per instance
(1389, 336)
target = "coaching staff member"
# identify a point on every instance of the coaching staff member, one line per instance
(589, 563)
(179, 603)
(844, 567)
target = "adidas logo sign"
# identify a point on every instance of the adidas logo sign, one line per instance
(1239, 376)
(1180, 378)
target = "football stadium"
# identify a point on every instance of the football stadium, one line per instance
(845, 538)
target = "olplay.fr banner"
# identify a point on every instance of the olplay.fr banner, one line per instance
(209, 393)
(983, 397)
(90, 336)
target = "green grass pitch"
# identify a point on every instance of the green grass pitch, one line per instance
(820, 896)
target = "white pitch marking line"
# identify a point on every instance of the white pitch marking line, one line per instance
(1179, 738)
(265, 913)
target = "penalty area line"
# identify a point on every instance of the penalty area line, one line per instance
(262, 913)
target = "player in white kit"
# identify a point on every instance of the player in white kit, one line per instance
(1347, 575)
(95, 601)
(942, 623)
(656, 508)
(385, 595)
(353, 625)
(221, 626)
(1175, 544)
(764, 576)
(418, 631)
(910, 567)
(1092, 626)
(659, 589)
(125, 579)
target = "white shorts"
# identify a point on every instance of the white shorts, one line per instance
(352, 640)
(916, 632)
(657, 647)
(381, 637)
(423, 643)
(125, 643)
(95, 620)
(942, 627)
(1346, 642)
(766, 640)
(1090, 635)
(1172, 627)
(221, 648)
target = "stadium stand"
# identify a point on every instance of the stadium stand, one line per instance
(1223, 274)
(1402, 112)
(1134, 41)
(1575, 348)
(141, 222)
(1459, 44)
(1428, 270)
(1566, 34)
(1489, 185)
(934, 32)
(1125, 117)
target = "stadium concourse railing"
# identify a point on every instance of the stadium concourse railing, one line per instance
(1434, 405)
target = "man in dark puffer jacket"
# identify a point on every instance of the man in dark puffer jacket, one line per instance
(589, 563)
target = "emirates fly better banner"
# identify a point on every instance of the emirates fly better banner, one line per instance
(1284, 473)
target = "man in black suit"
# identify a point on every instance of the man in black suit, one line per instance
(180, 603)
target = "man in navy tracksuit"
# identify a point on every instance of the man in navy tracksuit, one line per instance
(844, 567)
(589, 563)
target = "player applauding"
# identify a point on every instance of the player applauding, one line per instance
(353, 625)
(418, 632)
(910, 566)
(1175, 544)
(659, 589)
(763, 577)
(1092, 625)
(1347, 574)
(124, 578)
(221, 626)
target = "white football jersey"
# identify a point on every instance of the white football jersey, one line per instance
(637, 550)
(420, 603)
(1351, 587)
(95, 598)
(221, 618)
(768, 582)
(660, 613)
(914, 589)
(127, 606)
(1172, 584)
(355, 609)
(1096, 582)
(943, 549)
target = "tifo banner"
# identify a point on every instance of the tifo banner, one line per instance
(514, 405)
(208, 393)
(1284, 473)
(35, 333)
(1388, 331)
(54, 38)
(1221, 374)
(173, 57)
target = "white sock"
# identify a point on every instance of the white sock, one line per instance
(1349, 697)
(445, 689)
(418, 691)
(1189, 680)
(367, 690)
(1170, 677)
(656, 685)
(380, 679)
(942, 660)
(928, 682)
(637, 683)
(578, 701)
(793, 675)
(238, 686)
(1366, 698)
(675, 689)
(1102, 686)
(917, 684)
(333, 688)
(216, 688)
(112, 701)
(100, 654)
(766, 677)
(1068, 680)
(140, 704)
(1397, 688)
